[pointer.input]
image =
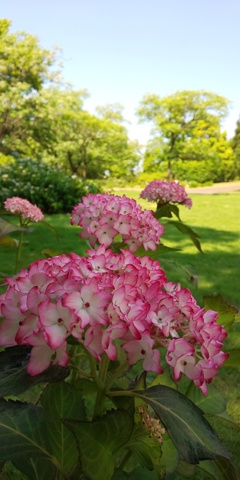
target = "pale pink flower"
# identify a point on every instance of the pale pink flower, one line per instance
(21, 206)
(162, 192)
(105, 216)
(110, 301)
(142, 349)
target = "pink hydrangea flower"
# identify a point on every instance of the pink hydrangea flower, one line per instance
(104, 298)
(105, 216)
(21, 206)
(164, 192)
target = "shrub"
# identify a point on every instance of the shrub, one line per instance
(48, 187)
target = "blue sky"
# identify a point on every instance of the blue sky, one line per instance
(119, 50)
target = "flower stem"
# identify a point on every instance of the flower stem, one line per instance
(118, 373)
(19, 252)
(101, 391)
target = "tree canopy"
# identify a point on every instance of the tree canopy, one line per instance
(24, 68)
(186, 127)
(45, 119)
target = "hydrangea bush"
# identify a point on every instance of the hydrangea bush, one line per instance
(110, 338)
(163, 192)
(26, 211)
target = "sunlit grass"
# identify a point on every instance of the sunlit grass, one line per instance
(216, 219)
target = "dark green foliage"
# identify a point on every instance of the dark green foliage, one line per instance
(48, 187)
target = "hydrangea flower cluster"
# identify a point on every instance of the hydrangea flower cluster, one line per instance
(21, 206)
(104, 216)
(104, 298)
(164, 192)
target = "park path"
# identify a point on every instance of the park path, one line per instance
(226, 187)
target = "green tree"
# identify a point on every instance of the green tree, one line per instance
(236, 148)
(187, 127)
(86, 145)
(24, 68)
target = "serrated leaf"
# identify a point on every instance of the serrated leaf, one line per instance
(99, 440)
(188, 231)
(59, 402)
(22, 431)
(189, 431)
(170, 456)
(226, 313)
(146, 450)
(14, 378)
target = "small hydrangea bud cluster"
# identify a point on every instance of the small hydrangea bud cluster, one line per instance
(21, 206)
(151, 424)
(165, 192)
(104, 216)
(104, 297)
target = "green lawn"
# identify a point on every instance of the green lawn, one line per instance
(216, 219)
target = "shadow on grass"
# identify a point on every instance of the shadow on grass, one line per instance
(217, 269)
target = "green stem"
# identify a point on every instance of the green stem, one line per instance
(125, 460)
(120, 393)
(103, 369)
(19, 252)
(101, 391)
(92, 363)
(118, 373)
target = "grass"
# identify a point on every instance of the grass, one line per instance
(213, 217)
(216, 219)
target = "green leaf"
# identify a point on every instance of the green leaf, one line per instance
(189, 431)
(8, 227)
(170, 457)
(213, 404)
(225, 469)
(48, 225)
(220, 469)
(85, 387)
(22, 431)
(167, 210)
(163, 211)
(233, 359)
(156, 254)
(36, 468)
(188, 231)
(99, 440)
(175, 210)
(145, 450)
(59, 402)
(14, 378)
(139, 473)
(226, 313)
(48, 253)
(7, 241)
